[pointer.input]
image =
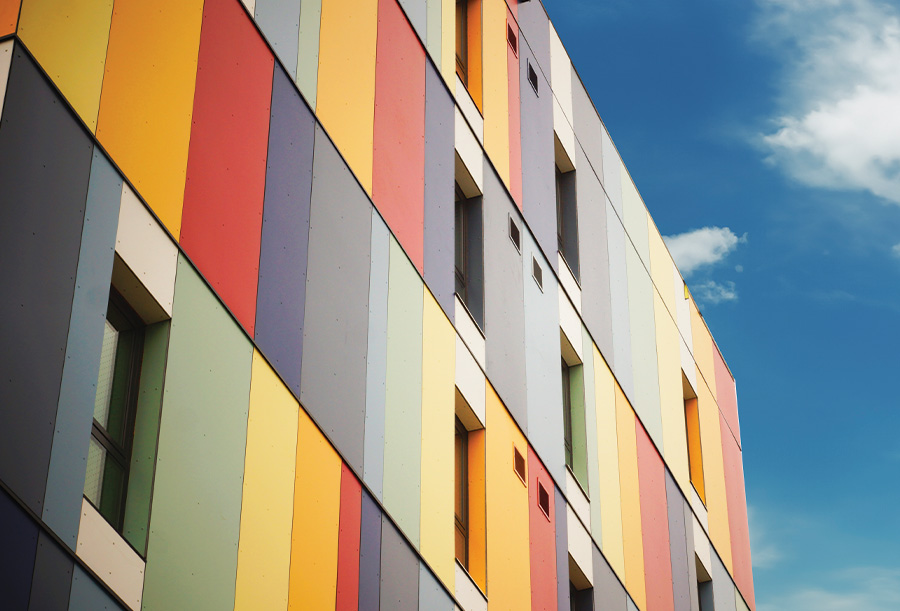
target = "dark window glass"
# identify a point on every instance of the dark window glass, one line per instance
(567, 413)
(461, 501)
(460, 248)
(462, 40)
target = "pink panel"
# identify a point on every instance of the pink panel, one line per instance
(726, 395)
(737, 515)
(654, 525)
(347, 597)
(515, 136)
(398, 171)
(542, 535)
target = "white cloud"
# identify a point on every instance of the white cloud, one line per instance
(765, 553)
(714, 292)
(701, 247)
(896, 250)
(840, 128)
(869, 588)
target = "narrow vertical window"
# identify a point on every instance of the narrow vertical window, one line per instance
(566, 209)
(462, 41)
(692, 427)
(468, 251)
(567, 414)
(461, 241)
(461, 494)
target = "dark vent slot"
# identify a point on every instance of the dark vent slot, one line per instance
(519, 464)
(537, 273)
(514, 234)
(511, 38)
(544, 500)
(532, 77)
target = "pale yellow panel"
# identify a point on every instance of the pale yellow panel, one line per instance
(671, 394)
(714, 475)
(509, 572)
(69, 39)
(438, 427)
(448, 42)
(317, 501)
(631, 500)
(703, 349)
(496, 88)
(148, 98)
(264, 547)
(608, 461)
(345, 94)
(661, 267)
(5, 59)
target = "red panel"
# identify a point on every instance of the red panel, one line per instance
(654, 525)
(398, 171)
(542, 534)
(226, 171)
(515, 136)
(737, 515)
(726, 395)
(348, 542)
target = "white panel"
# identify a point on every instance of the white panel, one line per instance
(568, 282)
(635, 218)
(106, 553)
(699, 508)
(570, 324)
(469, 332)
(467, 593)
(5, 59)
(561, 74)
(470, 380)
(467, 105)
(251, 5)
(578, 501)
(147, 249)
(701, 547)
(579, 545)
(564, 132)
(469, 150)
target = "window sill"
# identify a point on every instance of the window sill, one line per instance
(469, 331)
(468, 593)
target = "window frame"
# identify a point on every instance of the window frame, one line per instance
(461, 491)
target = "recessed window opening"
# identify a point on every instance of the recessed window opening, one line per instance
(512, 39)
(566, 209)
(567, 414)
(462, 40)
(537, 273)
(544, 500)
(532, 77)
(514, 234)
(574, 427)
(461, 494)
(519, 465)
(692, 429)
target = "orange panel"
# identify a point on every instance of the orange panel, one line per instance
(477, 517)
(475, 85)
(515, 136)
(737, 515)
(655, 524)
(9, 15)
(542, 535)
(695, 451)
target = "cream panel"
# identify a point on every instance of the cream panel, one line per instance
(147, 249)
(580, 549)
(469, 332)
(635, 220)
(569, 283)
(577, 499)
(561, 75)
(699, 508)
(469, 110)
(661, 266)
(5, 59)
(470, 379)
(250, 4)
(570, 323)
(106, 553)
(467, 593)
(469, 150)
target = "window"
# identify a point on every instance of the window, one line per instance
(469, 492)
(574, 429)
(462, 41)
(544, 500)
(468, 47)
(461, 240)
(468, 253)
(461, 495)
(704, 586)
(519, 465)
(567, 413)
(532, 77)
(115, 405)
(537, 273)
(581, 599)
(566, 209)
(514, 234)
(692, 427)
(512, 39)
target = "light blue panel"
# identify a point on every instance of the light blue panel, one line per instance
(416, 14)
(643, 347)
(431, 595)
(279, 21)
(308, 55)
(631, 605)
(403, 407)
(75, 412)
(542, 363)
(590, 425)
(723, 586)
(612, 169)
(433, 27)
(618, 292)
(376, 358)
(87, 595)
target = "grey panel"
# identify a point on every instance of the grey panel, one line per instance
(692, 563)
(592, 239)
(534, 27)
(588, 128)
(538, 164)
(562, 551)
(68, 459)
(18, 543)
(45, 159)
(431, 595)
(52, 577)
(723, 586)
(618, 289)
(369, 554)
(87, 595)
(281, 292)
(608, 590)
(681, 585)
(504, 317)
(612, 170)
(279, 21)
(415, 13)
(439, 168)
(376, 358)
(333, 379)
(399, 571)
(631, 606)
(542, 363)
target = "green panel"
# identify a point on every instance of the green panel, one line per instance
(146, 431)
(308, 52)
(590, 424)
(433, 31)
(579, 435)
(195, 520)
(403, 405)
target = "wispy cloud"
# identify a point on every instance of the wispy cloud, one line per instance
(713, 292)
(840, 125)
(853, 589)
(896, 250)
(702, 247)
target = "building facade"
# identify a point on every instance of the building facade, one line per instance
(338, 304)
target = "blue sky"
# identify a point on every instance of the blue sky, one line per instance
(769, 131)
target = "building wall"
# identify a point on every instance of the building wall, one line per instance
(268, 185)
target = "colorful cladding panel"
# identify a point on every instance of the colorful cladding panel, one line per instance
(9, 15)
(345, 501)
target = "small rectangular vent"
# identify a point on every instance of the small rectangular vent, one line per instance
(511, 39)
(544, 500)
(537, 273)
(532, 77)
(514, 234)
(519, 465)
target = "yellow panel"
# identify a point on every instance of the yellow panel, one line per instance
(345, 94)
(608, 461)
(671, 393)
(703, 349)
(631, 500)
(317, 500)
(661, 268)
(509, 572)
(448, 42)
(264, 547)
(438, 428)
(496, 88)
(69, 40)
(148, 98)
(714, 475)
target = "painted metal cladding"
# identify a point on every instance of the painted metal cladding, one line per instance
(271, 184)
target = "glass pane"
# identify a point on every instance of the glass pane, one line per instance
(94, 477)
(106, 376)
(113, 491)
(118, 399)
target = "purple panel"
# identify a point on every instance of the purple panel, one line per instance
(52, 577)
(369, 554)
(285, 233)
(439, 170)
(562, 552)
(609, 593)
(18, 542)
